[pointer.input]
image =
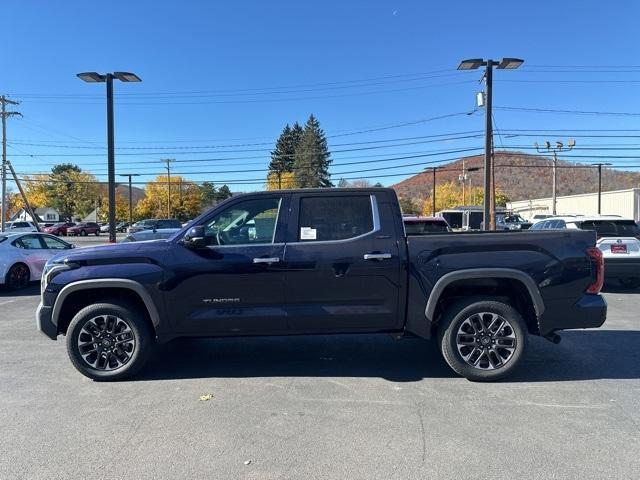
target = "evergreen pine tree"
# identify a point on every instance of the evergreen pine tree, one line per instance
(312, 157)
(282, 155)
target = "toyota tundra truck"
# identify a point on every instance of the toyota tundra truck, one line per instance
(322, 261)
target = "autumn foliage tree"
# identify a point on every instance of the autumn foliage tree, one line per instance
(449, 195)
(186, 199)
(68, 189)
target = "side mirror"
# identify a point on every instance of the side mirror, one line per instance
(195, 237)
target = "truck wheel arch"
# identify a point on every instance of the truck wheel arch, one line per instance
(483, 273)
(106, 284)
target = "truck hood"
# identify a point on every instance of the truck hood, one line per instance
(146, 252)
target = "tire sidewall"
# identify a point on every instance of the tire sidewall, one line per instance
(137, 323)
(457, 314)
(8, 275)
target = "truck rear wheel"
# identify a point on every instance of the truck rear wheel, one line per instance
(482, 339)
(109, 341)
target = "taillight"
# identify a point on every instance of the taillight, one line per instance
(596, 257)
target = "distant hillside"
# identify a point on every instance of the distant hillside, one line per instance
(520, 182)
(137, 194)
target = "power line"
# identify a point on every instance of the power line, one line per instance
(580, 112)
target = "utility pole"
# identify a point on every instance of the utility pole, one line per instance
(433, 196)
(558, 148)
(5, 101)
(600, 165)
(463, 178)
(472, 64)
(130, 194)
(168, 167)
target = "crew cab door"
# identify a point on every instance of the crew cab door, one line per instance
(234, 284)
(342, 264)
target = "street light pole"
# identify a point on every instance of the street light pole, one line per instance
(111, 161)
(94, 77)
(600, 165)
(488, 140)
(472, 64)
(130, 194)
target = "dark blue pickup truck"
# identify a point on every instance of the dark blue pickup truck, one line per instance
(322, 262)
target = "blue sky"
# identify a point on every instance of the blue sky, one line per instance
(233, 73)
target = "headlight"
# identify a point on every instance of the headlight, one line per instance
(51, 269)
(515, 227)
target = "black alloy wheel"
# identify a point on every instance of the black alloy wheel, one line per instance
(17, 277)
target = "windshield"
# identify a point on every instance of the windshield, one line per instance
(612, 228)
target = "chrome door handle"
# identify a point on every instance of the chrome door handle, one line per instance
(266, 260)
(377, 256)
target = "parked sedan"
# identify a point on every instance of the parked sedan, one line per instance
(59, 228)
(23, 255)
(159, 234)
(83, 229)
(618, 240)
(154, 224)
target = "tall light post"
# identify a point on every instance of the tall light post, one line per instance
(600, 165)
(504, 64)
(94, 77)
(560, 147)
(130, 196)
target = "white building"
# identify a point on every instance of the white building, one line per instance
(46, 214)
(625, 203)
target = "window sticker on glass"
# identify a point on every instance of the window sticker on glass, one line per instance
(307, 233)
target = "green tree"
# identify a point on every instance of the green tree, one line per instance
(208, 194)
(71, 191)
(223, 193)
(312, 157)
(409, 206)
(282, 157)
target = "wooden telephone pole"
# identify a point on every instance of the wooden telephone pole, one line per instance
(4, 101)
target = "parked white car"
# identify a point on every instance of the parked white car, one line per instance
(145, 235)
(23, 255)
(20, 226)
(618, 240)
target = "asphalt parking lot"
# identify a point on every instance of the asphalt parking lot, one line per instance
(331, 407)
(92, 240)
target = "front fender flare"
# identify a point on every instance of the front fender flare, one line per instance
(106, 283)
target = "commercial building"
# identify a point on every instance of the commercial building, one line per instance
(625, 203)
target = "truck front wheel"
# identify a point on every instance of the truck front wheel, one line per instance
(109, 341)
(482, 339)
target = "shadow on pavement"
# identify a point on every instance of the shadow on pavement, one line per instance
(582, 355)
(31, 290)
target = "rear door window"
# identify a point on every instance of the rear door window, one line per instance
(612, 228)
(29, 242)
(334, 218)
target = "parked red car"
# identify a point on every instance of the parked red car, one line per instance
(59, 228)
(83, 229)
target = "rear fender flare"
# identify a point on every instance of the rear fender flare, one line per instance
(446, 280)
